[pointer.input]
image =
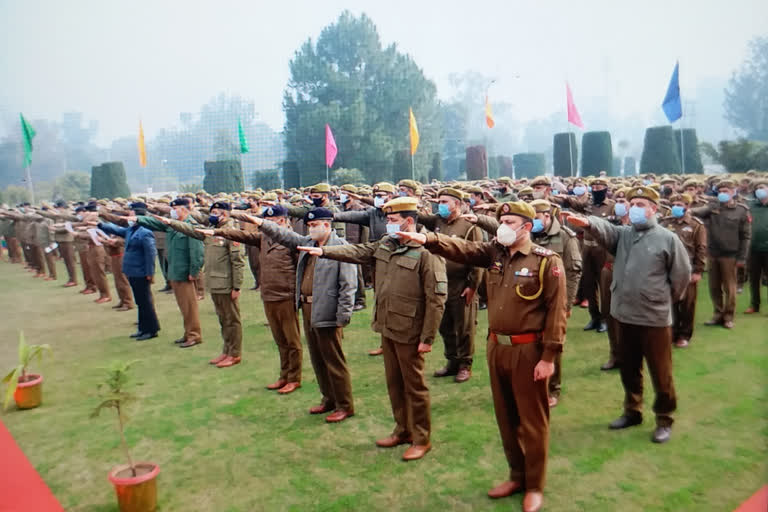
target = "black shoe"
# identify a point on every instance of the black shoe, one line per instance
(661, 434)
(358, 307)
(255, 287)
(592, 325)
(136, 334)
(602, 327)
(482, 306)
(447, 371)
(610, 365)
(625, 421)
(180, 341)
(147, 336)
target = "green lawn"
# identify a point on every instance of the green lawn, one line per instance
(224, 443)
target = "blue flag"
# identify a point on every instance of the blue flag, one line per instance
(673, 109)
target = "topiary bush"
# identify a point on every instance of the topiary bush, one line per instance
(529, 165)
(108, 181)
(563, 163)
(596, 153)
(223, 176)
(477, 162)
(691, 153)
(659, 151)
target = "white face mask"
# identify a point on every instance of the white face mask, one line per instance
(174, 215)
(539, 194)
(506, 235)
(378, 202)
(317, 233)
(79, 217)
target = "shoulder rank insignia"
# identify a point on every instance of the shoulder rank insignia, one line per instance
(542, 251)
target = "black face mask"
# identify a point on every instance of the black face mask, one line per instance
(318, 201)
(598, 196)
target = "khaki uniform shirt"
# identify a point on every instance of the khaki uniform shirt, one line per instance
(691, 231)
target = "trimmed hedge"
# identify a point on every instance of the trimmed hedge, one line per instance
(223, 176)
(693, 164)
(529, 165)
(291, 177)
(436, 170)
(506, 167)
(108, 181)
(401, 165)
(660, 154)
(596, 153)
(477, 161)
(561, 160)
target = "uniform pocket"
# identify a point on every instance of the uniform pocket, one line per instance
(401, 314)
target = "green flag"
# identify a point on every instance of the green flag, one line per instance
(28, 133)
(241, 134)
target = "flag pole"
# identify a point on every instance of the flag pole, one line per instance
(682, 150)
(413, 172)
(29, 184)
(327, 175)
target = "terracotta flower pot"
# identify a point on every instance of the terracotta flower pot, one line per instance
(136, 493)
(29, 394)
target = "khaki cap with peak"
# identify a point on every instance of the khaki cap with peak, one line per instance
(384, 187)
(519, 208)
(644, 192)
(320, 188)
(541, 205)
(452, 192)
(401, 205)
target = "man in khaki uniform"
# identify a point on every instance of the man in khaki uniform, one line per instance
(320, 195)
(526, 320)
(278, 294)
(97, 257)
(693, 234)
(66, 241)
(224, 265)
(728, 237)
(411, 288)
(114, 248)
(81, 244)
(457, 327)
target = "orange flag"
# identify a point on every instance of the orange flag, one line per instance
(414, 132)
(488, 114)
(142, 148)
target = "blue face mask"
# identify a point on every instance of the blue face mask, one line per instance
(538, 226)
(637, 215)
(555, 192)
(403, 193)
(646, 182)
(579, 191)
(723, 197)
(678, 211)
(443, 210)
(620, 209)
(213, 220)
(131, 223)
(472, 201)
(343, 198)
(761, 193)
(392, 229)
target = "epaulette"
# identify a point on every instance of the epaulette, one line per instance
(697, 219)
(568, 230)
(743, 205)
(542, 251)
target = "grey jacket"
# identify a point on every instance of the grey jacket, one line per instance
(374, 218)
(334, 284)
(651, 271)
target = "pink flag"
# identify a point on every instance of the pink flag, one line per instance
(573, 113)
(330, 147)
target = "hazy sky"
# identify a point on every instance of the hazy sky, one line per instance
(117, 61)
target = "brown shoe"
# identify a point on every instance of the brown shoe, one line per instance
(446, 371)
(124, 308)
(49, 278)
(505, 489)
(103, 300)
(192, 343)
(289, 388)
(553, 401)
(463, 375)
(217, 360)
(728, 324)
(681, 343)
(88, 291)
(228, 361)
(610, 365)
(376, 352)
(319, 409)
(417, 451)
(70, 284)
(337, 416)
(118, 305)
(392, 441)
(279, 383)
(532, 501)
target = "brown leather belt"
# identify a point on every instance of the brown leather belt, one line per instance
(515, 339)
(306, 299)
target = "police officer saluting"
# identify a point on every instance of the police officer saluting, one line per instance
(411, 288)
(527, 320)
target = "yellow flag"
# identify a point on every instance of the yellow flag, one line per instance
(142, 148)
(414, 132)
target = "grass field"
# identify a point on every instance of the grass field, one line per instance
(224, 443)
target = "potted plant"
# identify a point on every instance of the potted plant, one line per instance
(26, 388)
(135, 482)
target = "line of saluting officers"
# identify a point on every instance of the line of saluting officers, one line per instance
(434, 255)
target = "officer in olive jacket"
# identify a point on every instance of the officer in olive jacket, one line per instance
(411, 290)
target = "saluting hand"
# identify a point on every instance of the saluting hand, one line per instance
(312, 251)
(575, 219)
(470, 217)
(206, 232)
(412, 236)
(253, 219)
(543, 370)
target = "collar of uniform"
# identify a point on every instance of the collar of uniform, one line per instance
(554, 227)
(526, 248)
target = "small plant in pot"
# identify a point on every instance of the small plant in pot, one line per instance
(136, 482)
(25, 388)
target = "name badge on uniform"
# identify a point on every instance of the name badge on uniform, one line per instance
(218, 240)
(524, 272)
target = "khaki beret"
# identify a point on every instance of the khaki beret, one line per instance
(644, 192)
(623, 191)
(682, 198)
(401, 205)
(320, 188)
(452, 192)
(727, 183)
(384, 187)
(541, 180)
(519, 208)
(525, 191)
(541, 205)
(505, 179)
(269, 196)
(349, 188)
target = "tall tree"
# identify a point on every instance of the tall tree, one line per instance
(363, 90)
(746, 97)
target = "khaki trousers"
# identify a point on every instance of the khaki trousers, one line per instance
(228, 311)
(408, 391)
(722, 287)
(122, 285)
(50, 262)
(97, 260)
(186, 298)
(284, 323)
(86, 267)
(457, 329)
(67, 251)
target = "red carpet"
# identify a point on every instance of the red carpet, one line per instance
(21, 488)
(757, 503)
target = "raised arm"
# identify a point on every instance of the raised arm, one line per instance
(283, 236)
(112, 229)
(239, 235)
(360, 217)
(487, 223)
(185, 229)
(428, 221)
(358, 253)
(605, 233)
(479, 254)
(151, 223)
